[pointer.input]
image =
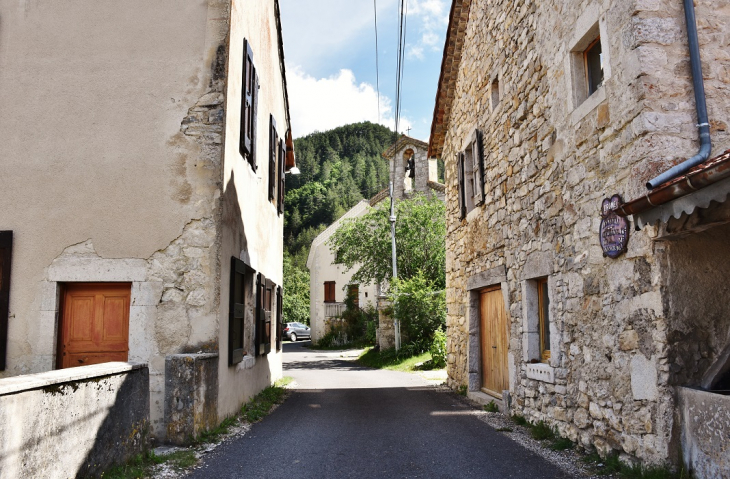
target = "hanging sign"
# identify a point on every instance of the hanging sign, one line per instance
(614, 232)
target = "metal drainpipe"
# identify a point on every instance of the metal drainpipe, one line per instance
(700, 103)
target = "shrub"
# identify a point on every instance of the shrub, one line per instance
(419, 309)
(438, 349)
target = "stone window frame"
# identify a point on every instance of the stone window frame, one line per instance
(590, 26)
(496, 276)
(538, 267)
(145, 296)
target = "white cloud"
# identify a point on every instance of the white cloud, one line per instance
(326, 103)
(317, 30)
(433, 17)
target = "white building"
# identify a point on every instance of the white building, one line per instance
(329, 282)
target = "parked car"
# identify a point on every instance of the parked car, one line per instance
(294, 331)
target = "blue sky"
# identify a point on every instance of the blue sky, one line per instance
(329, 47)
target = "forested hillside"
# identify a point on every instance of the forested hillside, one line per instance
(338, 168)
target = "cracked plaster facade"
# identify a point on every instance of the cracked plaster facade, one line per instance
(625, 333)
(126, 168)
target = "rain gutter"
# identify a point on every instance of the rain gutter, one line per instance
(700, 104)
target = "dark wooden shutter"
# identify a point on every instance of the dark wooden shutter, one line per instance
(254, 116)
(279, 317)
(280, 169)
(462, 197)
(236, 316)
(273, 152)
(6, 254)
(478, 155)
(260, 293)
(247, 102)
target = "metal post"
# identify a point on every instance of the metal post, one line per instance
(395, 263)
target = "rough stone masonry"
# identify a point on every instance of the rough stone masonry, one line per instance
(624, 332)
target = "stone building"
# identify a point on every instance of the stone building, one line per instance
(545, 111)
(410, 171)
(144, 146)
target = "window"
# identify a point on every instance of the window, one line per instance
(249, 103)
(6, 253)
(329, 291)
(471, 174)
(273, 154)
(236, 316)
(264, 297)
(588, 62)
(543, 301)
(495, 93)
(593, 65)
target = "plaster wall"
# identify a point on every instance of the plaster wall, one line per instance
(550, 159)
(252, 230)
(111, 133)
(323, 268)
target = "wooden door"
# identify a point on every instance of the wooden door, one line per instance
(494, 342)
(94, 324)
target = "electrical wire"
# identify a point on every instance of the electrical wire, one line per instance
(377, 72)
(400, 62)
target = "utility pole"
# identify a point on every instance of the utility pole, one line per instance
(395, 263)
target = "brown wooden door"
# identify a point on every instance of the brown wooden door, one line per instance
(94, 323)
(494, 342)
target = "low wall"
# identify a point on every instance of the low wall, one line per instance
(191, 395)
(74, 422)
(705, 433)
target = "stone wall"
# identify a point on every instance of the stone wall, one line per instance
(191, 392)
(549, 161)
(705, 419)
(75, 422)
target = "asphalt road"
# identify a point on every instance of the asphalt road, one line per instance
(345, 421)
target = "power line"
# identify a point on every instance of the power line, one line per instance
(377, 72)
(399, 65)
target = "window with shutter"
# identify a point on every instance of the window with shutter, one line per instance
(478, 167)
(264, 297)
(236, 316)
(279, 317)
(460, 176)
(249, 99)
(329, 291)
(273, 153)
(6, 253)
(280, 170)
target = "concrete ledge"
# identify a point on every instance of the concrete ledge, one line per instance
(75, 422)
(29, 382)
(484, 399)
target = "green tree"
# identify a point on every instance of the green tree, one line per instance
(295, 304)
(420, 308)
(365, 243)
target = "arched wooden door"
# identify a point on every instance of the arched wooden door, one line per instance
(494, 343)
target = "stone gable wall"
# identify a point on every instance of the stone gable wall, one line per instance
(549, 163)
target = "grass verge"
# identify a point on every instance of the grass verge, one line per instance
(390, 359)
(142, 465)
(254, 410)
(612, 465)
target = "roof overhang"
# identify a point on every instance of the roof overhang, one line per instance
(450, 62)
(403, 140)
(703, 184)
